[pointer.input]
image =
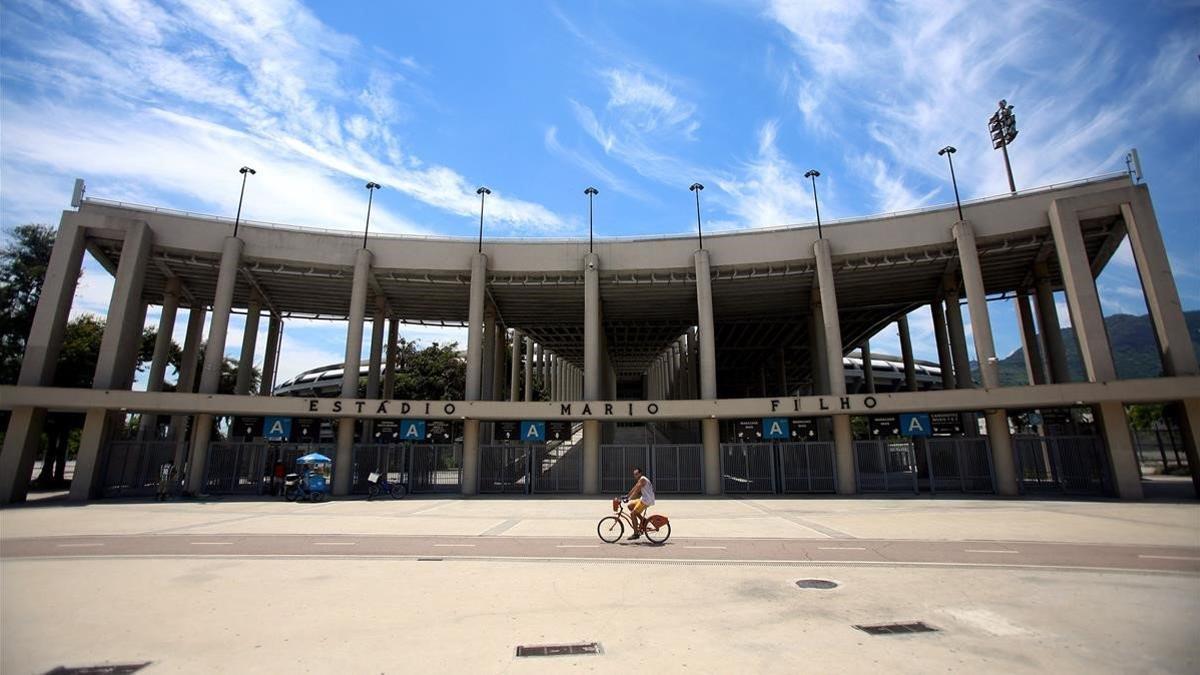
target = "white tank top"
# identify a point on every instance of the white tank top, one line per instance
(647, 491)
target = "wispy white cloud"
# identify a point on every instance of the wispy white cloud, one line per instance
(769, 189)
(592, 166)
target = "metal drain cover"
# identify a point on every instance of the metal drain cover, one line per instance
(898, 628)
(107, 669)
(559, 650)
(818, 584)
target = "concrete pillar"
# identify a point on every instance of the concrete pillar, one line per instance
(709, 430)
(375, 355)
(1051, 331)
(958, 341)
(593, 377)
(545, 364)
(906, 354)
(249, 341)
(514, 388)
(162, 351)
(122, 332)
(816, 345)
(489, 354)
(1030, 344)
(1003, 464)
(42, 349)
(343, 462)
(499, 352)
(945, 362)
(187, 381)
(1166, 313)
(868, 368)
(842, 439)
(271, 357)
(474, 384)
(693, 363)
(529, 365)
(1088, 321)
(393, 355)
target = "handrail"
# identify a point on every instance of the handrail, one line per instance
(582, 239)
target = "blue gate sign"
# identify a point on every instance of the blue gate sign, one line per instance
(412, 430)
(915, 424)
(277, 428)
(775, 428)
(533, 432)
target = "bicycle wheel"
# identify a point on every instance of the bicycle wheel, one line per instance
(372, 490)
(658, 535)
(397, 490)
(291, 493)
(610, 529)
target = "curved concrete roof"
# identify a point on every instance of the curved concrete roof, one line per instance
(762, 279)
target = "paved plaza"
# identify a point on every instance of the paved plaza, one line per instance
(455, 585)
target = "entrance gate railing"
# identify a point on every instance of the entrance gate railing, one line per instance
(960, 464)
(504, 469)
(885, 466)
(747, 468)
(557, 467)
(132, 467)
(672, 468)
(387, 458)
(807, 467)
(1076, 465)
(245, 468)
(434, 467)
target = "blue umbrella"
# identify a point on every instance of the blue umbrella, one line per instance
(313, 458)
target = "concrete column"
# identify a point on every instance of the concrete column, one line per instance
(593, 377)
(1030, 344)
(343, 462)
(945, 363)
(499, 352)
(514, 387)
(693, 363)
(122, 332)
(270, 358)
(709, 430)
(676, 372)
(868, 368)
(816, 334)
(545, 364)
(393, 354)
(1051, 331)
(906, 354)
(489, 354)
(529, 365)
(162, 349)
(1166, 312)
(958, 341)
(474, 381)
(1088, 321)
(187, 381)
(375, 355)
(249, 340)
(42, 349)
(842, 439)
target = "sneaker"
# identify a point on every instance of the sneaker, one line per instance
(635, 535)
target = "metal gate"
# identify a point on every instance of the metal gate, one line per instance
(504, 469)
(132, 467)
(435, 468)
(386, 458)
(557, 467)
(807, 467)
(616, 466)
(747, 468)
(245, 468)
(885, 466)
(678, 468)
(960, 465)
(1076, 465)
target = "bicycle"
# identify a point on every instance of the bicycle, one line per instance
(611, 528)
(377, 482)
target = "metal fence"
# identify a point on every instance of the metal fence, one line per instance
(1161, 447)
(1076, 465)
(885, 466)
(132, 467)
(386, 458)
(961, 464)
(617, 463)
(504, 469)
(747, 468)
(678, 468)
(246, 468)
(557, 467)
(434, 467)
(807, 467)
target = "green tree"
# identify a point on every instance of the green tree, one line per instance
(435, 373)
(23, 260)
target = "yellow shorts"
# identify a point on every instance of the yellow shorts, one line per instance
(637, 506)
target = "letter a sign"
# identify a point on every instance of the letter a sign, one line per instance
(533, 432)
(775, 428)
(915, 424)
(412, 430)
(277, 428)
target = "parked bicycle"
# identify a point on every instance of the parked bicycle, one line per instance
(611, 528)
(378, 483)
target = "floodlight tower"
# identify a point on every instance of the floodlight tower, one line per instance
(1003, 127)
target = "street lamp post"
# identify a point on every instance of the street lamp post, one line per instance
(813, 173)
(696, 187)
(1003, 127)
(371, 188)
(949, 151)
(245, 171)
(483, 192)
(590, 192)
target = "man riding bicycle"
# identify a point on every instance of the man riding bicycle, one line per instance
(640, 498)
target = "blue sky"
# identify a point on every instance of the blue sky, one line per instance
(161, 102)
